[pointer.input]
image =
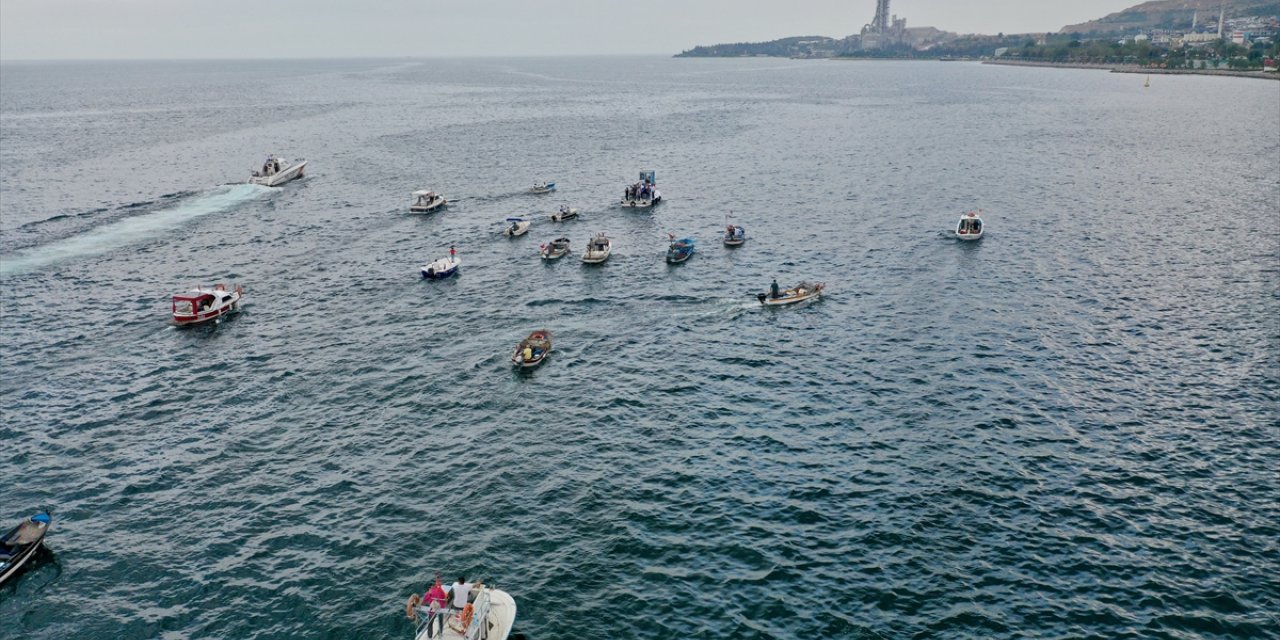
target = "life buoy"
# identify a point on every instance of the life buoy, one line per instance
(410, 607)
(464, 617)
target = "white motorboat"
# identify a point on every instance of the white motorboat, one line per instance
(970, 226)
(427, 201)
(489, 616)
(277, 171)
(555, 249)
(779, 297)
(203, 304)
(543, 187)
(565, 212)
(597, 249)
(442, 268)
(517, 226)
(642, 194)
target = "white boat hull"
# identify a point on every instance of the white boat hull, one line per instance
(595, 257)
(641, 204)
(442, 268)
(518, 229)
(432, 207)
(782, 302)
(970, 236)
(291, 172)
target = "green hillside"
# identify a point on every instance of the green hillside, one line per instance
(1173, 14)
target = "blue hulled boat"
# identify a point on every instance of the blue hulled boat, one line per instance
(680, 250)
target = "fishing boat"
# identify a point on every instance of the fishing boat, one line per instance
(488, 616)
(565, 212)
(555, 249)
(516, 227)
(21, 543)
(679, 250)
(642, 194)
(204, 304)
(532, 350)
(799, 293)
(543, 187)
(277, 171)
(427, 201)
(970, 226)
(734, 235)
(442, 268)
(597, 249)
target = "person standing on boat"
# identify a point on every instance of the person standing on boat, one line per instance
(774, 291)
(453, 253)
(460, 591)
(436, 600)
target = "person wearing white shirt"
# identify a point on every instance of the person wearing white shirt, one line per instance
(459, 593)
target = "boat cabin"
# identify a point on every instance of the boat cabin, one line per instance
(272, 166)
(199, 302)
(423, 198)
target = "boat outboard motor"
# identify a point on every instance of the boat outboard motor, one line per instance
(762, 296)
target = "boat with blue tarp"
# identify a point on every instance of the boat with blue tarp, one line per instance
(679, 250)
(21, 543)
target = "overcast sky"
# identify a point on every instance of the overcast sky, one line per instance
(94, 29)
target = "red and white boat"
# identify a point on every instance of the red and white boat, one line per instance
(204, 304)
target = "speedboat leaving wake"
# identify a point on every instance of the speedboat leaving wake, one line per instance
(131, 230)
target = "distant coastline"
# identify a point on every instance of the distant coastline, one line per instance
(1133, 68)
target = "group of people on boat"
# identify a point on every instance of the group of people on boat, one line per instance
(451, 603)
(639, 191)
(970, 225)
(734, 232)
(271, 166)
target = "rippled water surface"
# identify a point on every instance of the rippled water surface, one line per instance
(1068, 429)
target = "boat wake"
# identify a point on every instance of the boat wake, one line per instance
(131, 230)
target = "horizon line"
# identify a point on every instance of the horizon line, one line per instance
(10, 60)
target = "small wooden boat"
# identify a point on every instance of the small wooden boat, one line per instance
(555, 249)
(543, 187)
(277, 171)
(204, 304)
(597, 249)
(442, 268)
(427, 201)
(799, 293)
(734, 236)
(22, 542)
(679, 250)
(516, 227)
(532, 350)
(565, 212)
(970, 226)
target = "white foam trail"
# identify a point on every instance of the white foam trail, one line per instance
(123, 233)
